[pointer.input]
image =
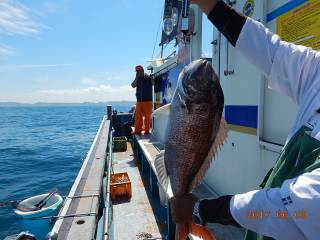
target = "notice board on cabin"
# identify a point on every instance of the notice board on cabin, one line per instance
(301, 24)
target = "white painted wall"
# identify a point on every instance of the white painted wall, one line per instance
(279, 110)
(245, 159)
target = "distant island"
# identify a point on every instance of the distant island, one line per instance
(17, 104)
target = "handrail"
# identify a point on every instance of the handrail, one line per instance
(93, 162)
(273, 147)
(107, 202)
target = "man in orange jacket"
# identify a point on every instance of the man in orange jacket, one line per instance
(143, 84)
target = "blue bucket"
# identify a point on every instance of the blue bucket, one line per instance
(33, 221)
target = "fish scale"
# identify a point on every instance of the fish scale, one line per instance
(181, 147)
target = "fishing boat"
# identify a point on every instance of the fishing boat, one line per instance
(117, 195)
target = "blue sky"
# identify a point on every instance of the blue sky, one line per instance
(76, 50)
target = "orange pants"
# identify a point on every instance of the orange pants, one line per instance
(143, 111)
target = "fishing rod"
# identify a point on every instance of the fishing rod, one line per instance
(185, 17)
(27, 207)
(15, 202)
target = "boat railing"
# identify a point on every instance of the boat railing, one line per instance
(78, 218)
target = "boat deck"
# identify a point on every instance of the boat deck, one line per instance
(86, 213)
(137, 218)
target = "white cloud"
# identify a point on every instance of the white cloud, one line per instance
(88, 81)
(119, 75)
(6, 68)
(15, 19)
(102, 89)
(6, 50)
(100, 93)
(44, 80)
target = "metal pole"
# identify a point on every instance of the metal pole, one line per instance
(196, 38)
(107, 223)
(109, 112)
(161, 54)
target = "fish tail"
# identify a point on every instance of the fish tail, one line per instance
(182, 231)
(197, 231)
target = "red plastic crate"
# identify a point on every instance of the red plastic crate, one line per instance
(120, 185)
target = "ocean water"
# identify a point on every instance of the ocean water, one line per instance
(42, 148)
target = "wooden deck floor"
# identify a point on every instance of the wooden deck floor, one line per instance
(136, 218)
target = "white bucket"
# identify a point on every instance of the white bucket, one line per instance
(160, 122)
(163, 196)
(30, 220)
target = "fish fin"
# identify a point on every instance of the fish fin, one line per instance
(200, 232)
(193, 231)
(164, 110)
(217, 144)
(161, 170)
(182, 231)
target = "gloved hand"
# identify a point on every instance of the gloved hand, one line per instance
(206, 5)
(182, 208)
(216, 211)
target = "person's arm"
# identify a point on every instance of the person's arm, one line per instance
(287, 212)
(215, 211)
(134, 83)
(262, 211)
(150, 78)
(206, 210)
(228, 21)
(289, 68)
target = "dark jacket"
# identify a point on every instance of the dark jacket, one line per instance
(144, 89)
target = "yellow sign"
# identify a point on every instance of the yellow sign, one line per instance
(301, 25)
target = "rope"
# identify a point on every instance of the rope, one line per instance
(8, 203)
(155, 43)
(82, 196)
(67, 216)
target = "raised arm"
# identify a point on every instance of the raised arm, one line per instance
(151, 78)
(289, 68)
(134, 83)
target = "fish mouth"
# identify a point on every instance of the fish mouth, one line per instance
(196, 65)
(205, 65)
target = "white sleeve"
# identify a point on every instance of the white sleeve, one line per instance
(302, 200)
(260, 211)
(290, 68)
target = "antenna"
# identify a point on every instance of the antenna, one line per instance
(185, 16)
